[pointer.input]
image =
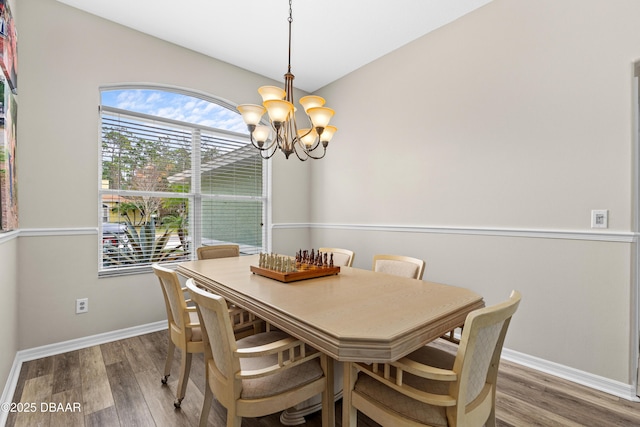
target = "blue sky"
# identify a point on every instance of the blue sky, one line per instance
(175, 106)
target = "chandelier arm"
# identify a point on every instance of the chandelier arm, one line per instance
(317, 143)
(266, 150)
(300, 158)
(267, 157)
(298, 155)
(307, 152)
(255, 144)
(317, 158)
(287, 138)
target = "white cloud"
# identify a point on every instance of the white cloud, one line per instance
(176, 107)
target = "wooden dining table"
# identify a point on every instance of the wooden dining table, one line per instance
(355, 315)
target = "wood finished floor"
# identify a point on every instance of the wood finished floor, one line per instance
(118, 384)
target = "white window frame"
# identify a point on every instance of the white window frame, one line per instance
(194, 196)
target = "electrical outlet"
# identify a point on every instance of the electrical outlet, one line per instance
(600, 218)
(82, 305)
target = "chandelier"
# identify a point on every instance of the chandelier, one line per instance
(282, 133)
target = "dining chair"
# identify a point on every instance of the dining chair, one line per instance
(257, 375)
(399, 265)
(434, 387)
(341, 257)
(184, 328)
(218, 251)
(253, 324)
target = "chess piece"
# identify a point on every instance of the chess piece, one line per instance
(331, 260)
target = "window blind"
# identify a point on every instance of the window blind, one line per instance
(168, 187)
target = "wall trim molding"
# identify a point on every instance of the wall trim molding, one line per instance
(65, 346)
(586, 234)
(9, 235)
(63, 231)
(44, 232)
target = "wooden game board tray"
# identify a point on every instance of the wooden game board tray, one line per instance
(296, 275)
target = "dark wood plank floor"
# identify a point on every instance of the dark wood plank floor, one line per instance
(118, 384)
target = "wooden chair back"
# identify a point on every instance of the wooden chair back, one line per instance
(218, 251)
(178, 318)
(399, 265)
(244, 323)
(422, 377)
(255, 387)
(477, 361)
(220, 342)
(341, 257)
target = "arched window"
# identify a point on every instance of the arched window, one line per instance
(177, 172)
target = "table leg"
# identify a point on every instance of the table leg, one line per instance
(349, 415)
(330, 392)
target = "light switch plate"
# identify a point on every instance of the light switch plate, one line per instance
(599, 218)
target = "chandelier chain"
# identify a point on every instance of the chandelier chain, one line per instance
(290, 22)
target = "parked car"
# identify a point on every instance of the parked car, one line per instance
(113, 233)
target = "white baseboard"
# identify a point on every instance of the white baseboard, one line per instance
(66, 346)
(615, 388)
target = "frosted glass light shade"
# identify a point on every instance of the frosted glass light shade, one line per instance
(307, 136)
(320, 116)
(327, 133)
(251, 113)
(278, 110)
(311, 101)
(271, 92)
(261, 133)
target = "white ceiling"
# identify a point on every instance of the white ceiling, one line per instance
(330, 38)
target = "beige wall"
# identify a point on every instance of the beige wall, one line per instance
(65, 56)
(517, 116)
(8, 304)
(9, 289)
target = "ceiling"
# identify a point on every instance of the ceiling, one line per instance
(330, 39)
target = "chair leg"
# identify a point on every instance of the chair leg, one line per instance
(491, 421)
(257, 328)
(327, 401)
(233, 421)
(206, 406)
(167, 364)
(185, 367)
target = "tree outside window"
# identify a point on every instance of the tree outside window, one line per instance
(163, 200)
